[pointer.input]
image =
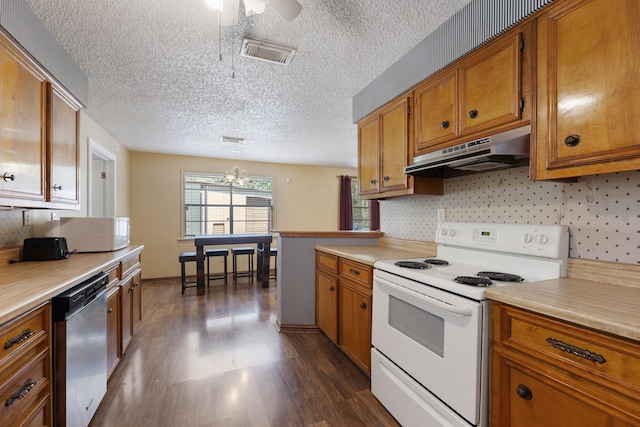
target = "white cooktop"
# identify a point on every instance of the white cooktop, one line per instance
(534, 252)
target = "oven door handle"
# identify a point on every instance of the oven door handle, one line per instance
(449, 308)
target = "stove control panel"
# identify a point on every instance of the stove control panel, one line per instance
(541, 240)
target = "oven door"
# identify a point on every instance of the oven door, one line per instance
(432, 335)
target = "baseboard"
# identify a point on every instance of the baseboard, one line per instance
(296, 329)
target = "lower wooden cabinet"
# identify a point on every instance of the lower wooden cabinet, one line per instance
(355, 323)
(113, 329)
(25, 369)
(343, 305)
(327, 304)
(124, 308)
(546, 372)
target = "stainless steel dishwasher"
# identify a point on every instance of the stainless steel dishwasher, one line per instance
(79, 351)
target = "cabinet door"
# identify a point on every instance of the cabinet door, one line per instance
(63, 149)
(22, 132)
(436, 111)
(355, 323)
(490, 86)
(394, 145)
(136, 301)
(588, 96)
(530, 398)
(368, 155)
(126, 320)
(113, 329)
(327, 304)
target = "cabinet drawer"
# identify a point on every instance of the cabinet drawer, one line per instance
(357, 272)
(129, 265)
(327, 262)
(586, 352)
(114, 275)
(19, 391)
(23, 331)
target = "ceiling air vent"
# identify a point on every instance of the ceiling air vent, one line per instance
(267, 52)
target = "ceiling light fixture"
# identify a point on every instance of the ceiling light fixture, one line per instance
(235, 175)
(228, 9)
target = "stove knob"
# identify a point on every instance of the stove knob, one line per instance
(526, 238)
(542, 239)
(452, 232)
(443, 231)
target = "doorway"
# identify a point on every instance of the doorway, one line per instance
(102, 181)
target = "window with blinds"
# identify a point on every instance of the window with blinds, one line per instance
(212, 206)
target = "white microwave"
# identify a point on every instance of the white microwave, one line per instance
(94, 234)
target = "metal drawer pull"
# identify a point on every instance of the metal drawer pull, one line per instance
(21, 392)
(352, 271)
(19, 338)
(589, 355)
(8, 177)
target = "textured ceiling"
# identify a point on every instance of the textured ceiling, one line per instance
(157, 85)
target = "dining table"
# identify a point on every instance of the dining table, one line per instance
(263, 241)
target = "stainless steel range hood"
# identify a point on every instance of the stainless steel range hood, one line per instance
(500, 151)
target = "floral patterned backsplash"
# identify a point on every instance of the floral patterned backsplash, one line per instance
(601, 211)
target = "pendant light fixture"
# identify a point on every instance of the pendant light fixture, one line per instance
(235, 175)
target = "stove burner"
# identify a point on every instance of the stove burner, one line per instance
(413, 264)
(501, 277)
(473, 281)
(435, 261)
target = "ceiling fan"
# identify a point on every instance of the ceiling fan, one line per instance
(229, 9)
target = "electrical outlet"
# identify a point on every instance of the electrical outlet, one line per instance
(26, 218)
(441, 215)
(54, 216)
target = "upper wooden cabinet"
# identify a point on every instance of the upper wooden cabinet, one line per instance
(62, 146)
(38, 135)
(588, 97)
(488, 90)
(385, 145)
(490, 85)
(22, 132)
(436, 110)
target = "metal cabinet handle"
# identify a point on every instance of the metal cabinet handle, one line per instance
(8, 177)
(572, 140)
(363, 306)
(21, 392)
(109, 310)
(373, 181)
(577, 351)
(386, 178)
(332, 289)
(22, 336)
(57, 188)
(524, 392)
(352, 271)
(473, 114)
(445, 124)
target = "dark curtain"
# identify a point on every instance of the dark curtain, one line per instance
(374, 215)
(346, 209)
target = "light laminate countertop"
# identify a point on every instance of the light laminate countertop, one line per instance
(602, 306)
(25, 285)
(370, 254)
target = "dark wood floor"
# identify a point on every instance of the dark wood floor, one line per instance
(217, 360)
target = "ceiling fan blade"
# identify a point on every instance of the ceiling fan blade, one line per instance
(289, 9)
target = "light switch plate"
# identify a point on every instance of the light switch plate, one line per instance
(441, 215)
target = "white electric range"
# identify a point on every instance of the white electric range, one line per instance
(430, 319)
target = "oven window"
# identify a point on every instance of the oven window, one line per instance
(425, 328)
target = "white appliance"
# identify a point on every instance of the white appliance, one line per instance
(430, 332)
(92, 234)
